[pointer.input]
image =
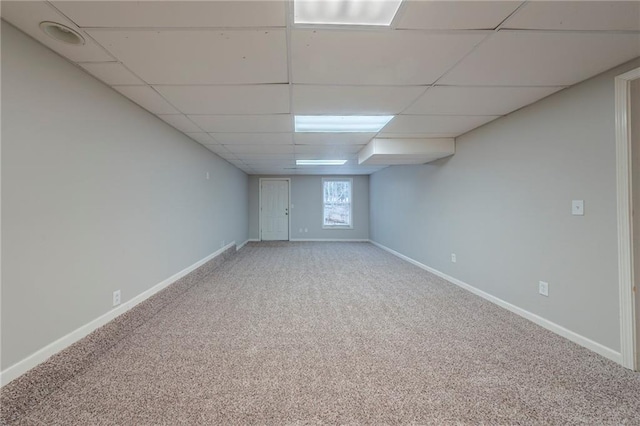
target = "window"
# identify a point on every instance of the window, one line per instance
(337, 203)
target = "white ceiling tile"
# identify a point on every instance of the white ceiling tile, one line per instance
(237, 162)
(281, 123)
(217, 148)
(112, 73)
(203, 138)
(376, 57)
(389, 135)
(327, 149)
(248, 170)
(175, 13)
(148, 99)
(27, 15)
(455, 15)
(260, 149)
(237, 165)
(327, 156)
(436, 124)
(241, 166)
(455, 100)
(225, 154)
(577, 15)
(332, 138)
(258, 169)
(334, 170)
(253, 138)
(362, 100)
(520, 58)
(180, 122)
(280, 171)
(257, 157)
(213, 56)
(249, 99)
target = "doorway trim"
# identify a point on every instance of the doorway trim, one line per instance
(626, 284)
(260, 180)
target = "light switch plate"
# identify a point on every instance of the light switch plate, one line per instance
(577, 207)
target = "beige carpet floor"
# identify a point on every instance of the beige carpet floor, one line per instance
(338, 333)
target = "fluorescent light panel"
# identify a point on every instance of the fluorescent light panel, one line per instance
(320, 162)
(341, 123)
(345, 12)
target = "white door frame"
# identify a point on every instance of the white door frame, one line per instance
(627, 289)
(260, 205)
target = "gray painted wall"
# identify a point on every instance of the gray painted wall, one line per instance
(97, 195)
(502, 203)
(306, 197)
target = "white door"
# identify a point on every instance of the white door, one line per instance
(275, 210)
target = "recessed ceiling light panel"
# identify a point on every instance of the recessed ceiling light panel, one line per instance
(341, 123)
(62, 33)
(320, 162)
(345, 12)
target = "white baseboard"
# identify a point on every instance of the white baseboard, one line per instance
(45, 353)
(242, 245)
(558, 329)
(250, 240)
(346, 240)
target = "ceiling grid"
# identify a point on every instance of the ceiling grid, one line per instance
(231, 75)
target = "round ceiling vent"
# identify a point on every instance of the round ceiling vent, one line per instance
(61, 33)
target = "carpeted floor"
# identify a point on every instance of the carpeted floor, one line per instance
(311, 333)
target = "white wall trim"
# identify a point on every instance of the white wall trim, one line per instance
(51, 349)
(345, 240)
(250, 240)
(624, 172)
(558, 329)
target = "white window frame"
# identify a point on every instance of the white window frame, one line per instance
(338, 179)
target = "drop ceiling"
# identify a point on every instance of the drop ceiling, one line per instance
(232, 74)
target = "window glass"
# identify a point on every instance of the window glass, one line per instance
(337, 209)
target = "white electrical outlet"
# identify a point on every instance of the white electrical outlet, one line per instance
(543, 288)
(577, 207)
(116, 298)
(207, 175)
(306, 229)
(453, 258)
